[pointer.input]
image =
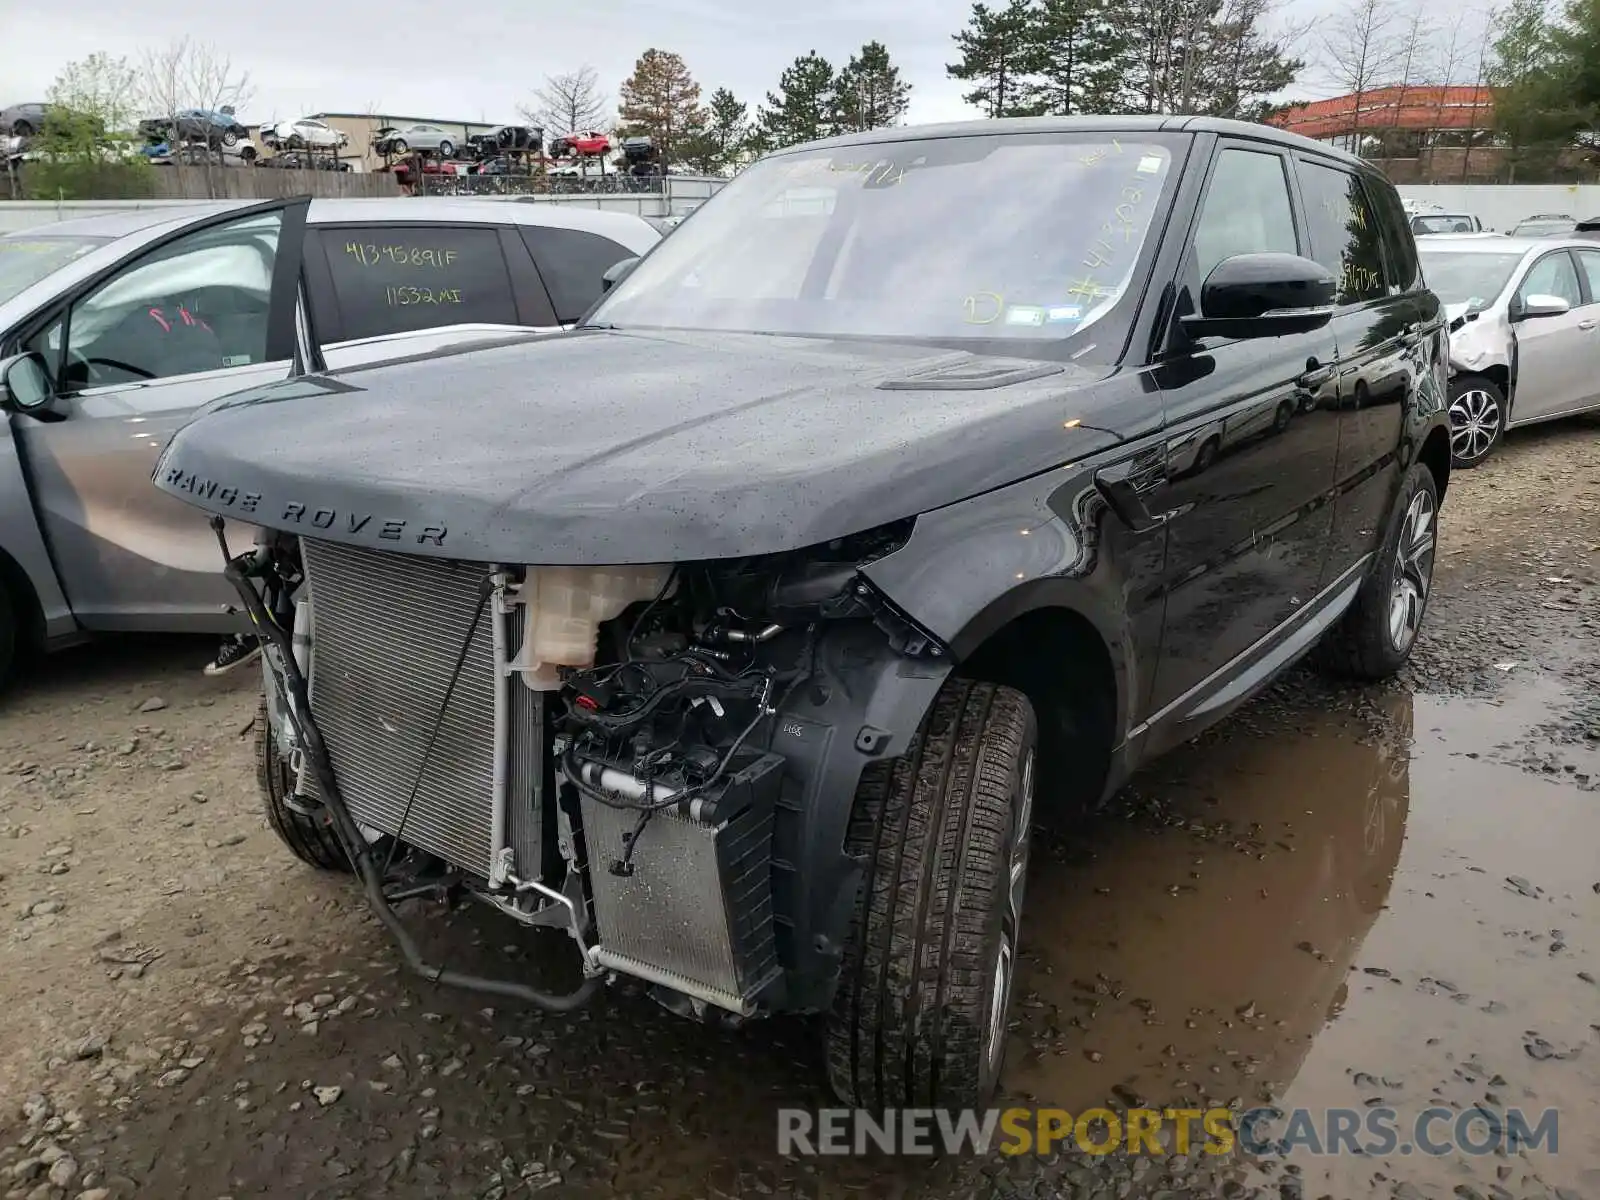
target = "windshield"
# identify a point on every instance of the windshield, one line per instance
(1442, 224)
(1472, 279)
(25, 259)
(1007, 237)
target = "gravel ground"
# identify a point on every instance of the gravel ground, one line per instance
(1336, 898)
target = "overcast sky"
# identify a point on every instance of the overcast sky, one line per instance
(477, 61)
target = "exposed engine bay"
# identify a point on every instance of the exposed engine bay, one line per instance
(649, 757)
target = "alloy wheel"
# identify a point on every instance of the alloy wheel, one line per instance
(1005, 967)
(1413, 571)
(1474, 424)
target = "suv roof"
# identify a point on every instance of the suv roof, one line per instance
(1094, 124)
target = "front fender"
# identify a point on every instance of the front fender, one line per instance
(22, 541)
(1049, 542)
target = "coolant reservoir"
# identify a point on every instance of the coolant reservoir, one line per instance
(564, 607)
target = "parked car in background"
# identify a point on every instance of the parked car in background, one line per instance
(23, 120)
(144, 316)
(432, 139)
(210, 127)
(584, 145)
(1425, 224)
(304, 133)
(1525, 333)
(841, 532)
(303, 160)
(1588, 229)
(162, 153)
(1542, 225)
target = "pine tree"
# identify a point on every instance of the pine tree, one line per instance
(994, 47)
(1077, 57)
(869, 91)
(803, 108)
(661, 100)
(718, 148)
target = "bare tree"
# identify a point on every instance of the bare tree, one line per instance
(1365, 47)
(569, 103)
(184, 75)
(1415, 44)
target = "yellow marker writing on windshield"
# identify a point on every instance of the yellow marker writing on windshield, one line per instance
(974, 306)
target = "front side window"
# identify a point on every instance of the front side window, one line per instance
(573, 263)
(1346, 237)
(1012, 237)
(1553, 275)
(200, 303)
(401, 278)
(1246, 210)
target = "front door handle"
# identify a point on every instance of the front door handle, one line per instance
(1586, 324)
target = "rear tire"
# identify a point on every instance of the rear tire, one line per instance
(1374, 638)
(1477, 420)
(920, 1015)
(447, 149)
(310, 838)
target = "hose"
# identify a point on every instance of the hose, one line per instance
(355, 845)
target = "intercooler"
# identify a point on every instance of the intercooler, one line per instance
(386, 632)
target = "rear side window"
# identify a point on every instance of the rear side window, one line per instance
(400, 278)
(573, 263)
(1346, 236)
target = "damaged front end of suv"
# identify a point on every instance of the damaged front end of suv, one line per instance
(636, 755)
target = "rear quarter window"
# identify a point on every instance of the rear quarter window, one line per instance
(573, 263)
(401, 278)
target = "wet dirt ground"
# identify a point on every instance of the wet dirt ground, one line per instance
(1384, 899)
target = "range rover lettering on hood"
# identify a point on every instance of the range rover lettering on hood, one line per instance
(297, 514)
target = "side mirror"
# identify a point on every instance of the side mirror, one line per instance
(25, 384)
(1263, 295)
(1540, 305)
(617, 272)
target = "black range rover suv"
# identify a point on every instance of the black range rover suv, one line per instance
(918, 488)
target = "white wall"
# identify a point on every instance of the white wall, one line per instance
(1500, 206)
(26, 214)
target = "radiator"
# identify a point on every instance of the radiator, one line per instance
(386, 630)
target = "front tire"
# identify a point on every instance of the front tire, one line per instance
(1477, 420)
(310, 838)
(10, 636)
(1374, 638)
(447, 149)
(920, 1015)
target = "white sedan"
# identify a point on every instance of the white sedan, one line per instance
(306, 132)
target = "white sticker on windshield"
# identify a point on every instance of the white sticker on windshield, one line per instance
(1066, 312)
(236, 360)
(1150, 164)
(1024, 314)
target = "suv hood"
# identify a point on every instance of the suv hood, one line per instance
(609, 447)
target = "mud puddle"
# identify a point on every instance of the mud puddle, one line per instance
(1394, 907)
